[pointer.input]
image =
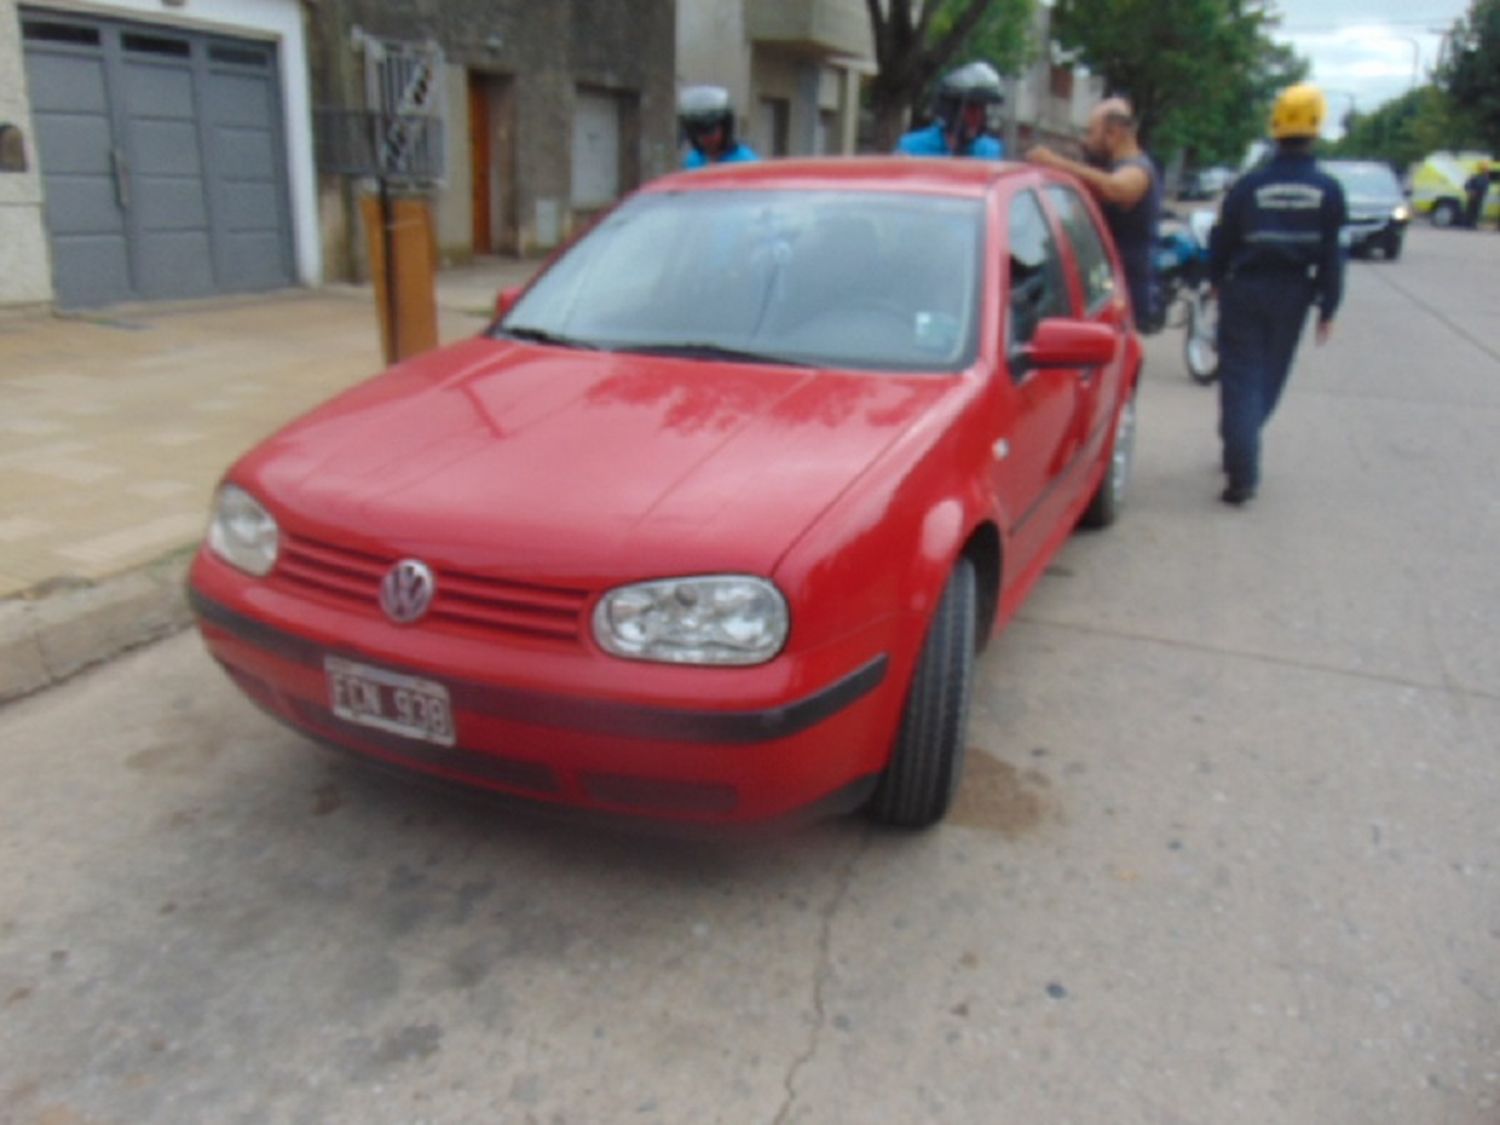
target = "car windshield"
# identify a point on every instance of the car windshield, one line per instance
(865, 280)
(1368, 181)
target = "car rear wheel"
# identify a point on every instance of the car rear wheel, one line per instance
(922, 775)
(1109, 497)
(1445, 213)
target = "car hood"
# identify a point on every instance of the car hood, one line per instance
(513, 458)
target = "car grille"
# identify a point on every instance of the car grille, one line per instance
(463, 602)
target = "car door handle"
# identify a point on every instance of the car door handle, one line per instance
(120, 166)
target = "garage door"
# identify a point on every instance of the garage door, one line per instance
(596, 149)
(161, 158)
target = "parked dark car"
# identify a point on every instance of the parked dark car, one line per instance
(1378, 211)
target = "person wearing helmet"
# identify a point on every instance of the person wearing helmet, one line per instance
(1274, 254)
(707, 118)
(961, 116)
(1122, 178)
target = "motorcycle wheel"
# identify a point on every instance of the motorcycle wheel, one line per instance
(1200, 345)
(1179, 311)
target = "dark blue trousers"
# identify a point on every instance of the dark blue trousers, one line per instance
(1260, 321)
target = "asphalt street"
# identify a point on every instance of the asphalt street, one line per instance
(1227, 850)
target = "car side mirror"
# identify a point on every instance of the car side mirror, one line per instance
(1060, 342)
(507, 300)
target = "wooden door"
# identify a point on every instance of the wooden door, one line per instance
(480, 162)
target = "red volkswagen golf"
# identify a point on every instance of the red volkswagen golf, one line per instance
(710, 523)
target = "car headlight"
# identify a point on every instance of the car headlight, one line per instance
(718, 619)
(242, 533)
(1401, 214)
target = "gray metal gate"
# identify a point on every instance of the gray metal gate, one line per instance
(162, 159)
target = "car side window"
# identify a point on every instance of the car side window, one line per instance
(1037, 288)
(1093, 261)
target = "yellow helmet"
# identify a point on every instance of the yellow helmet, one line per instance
(1299, 112)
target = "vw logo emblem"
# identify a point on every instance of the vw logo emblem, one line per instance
(406, 591)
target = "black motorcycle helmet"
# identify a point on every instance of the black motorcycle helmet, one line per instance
(977, 84)
(703, 109)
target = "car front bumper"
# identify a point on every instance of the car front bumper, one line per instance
(764, 747)
(1364, 232)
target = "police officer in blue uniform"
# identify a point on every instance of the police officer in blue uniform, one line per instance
(1274, 254)
(960, 117)
(707, 118)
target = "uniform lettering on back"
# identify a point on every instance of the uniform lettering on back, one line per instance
(1289, 197)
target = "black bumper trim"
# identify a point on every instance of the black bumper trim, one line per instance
(592, 716)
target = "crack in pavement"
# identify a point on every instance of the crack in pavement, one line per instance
(820, 977)
(1451, 688)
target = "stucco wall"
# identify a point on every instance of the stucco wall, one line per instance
(455, 205)
(713, 49)
(25, 264)
(547, 50)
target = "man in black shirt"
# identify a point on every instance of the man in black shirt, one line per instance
(1274, 254)
(1122, 178)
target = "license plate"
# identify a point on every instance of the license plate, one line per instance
(389, 701)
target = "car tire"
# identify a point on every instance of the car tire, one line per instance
(1392, 247)
(1445, 213)
(927, 760)
(1109, 497)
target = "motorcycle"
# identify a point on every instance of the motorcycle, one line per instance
(1184, 296)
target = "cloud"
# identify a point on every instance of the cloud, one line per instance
(1365, 64)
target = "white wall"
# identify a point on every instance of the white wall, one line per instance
(453, 206)
(277, 20)
(25, 262)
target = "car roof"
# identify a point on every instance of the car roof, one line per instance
(943, 176)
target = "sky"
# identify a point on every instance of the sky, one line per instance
(1363, 51)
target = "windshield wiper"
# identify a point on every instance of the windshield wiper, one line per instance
(542, 336)
(702, 349)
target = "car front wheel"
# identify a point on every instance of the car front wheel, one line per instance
(1445, 213)
(927, 762)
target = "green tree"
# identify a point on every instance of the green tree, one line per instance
(1200, 73)
(1405, 129)
(1471, 73)
(917, 40)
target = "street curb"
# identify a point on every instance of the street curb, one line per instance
(55, 631)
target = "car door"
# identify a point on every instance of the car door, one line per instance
(1035, 449)
(1100, 293)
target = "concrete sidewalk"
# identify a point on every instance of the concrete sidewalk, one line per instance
(116, 425)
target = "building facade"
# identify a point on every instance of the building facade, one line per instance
(1051, 99)
(550, 111)
(792, 67)
(25, 262)
(169, 150)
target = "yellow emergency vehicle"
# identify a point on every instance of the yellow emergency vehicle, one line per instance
(1437, 187)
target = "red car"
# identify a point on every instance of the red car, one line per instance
(710, 523)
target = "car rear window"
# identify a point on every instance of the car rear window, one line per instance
(851, 279)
